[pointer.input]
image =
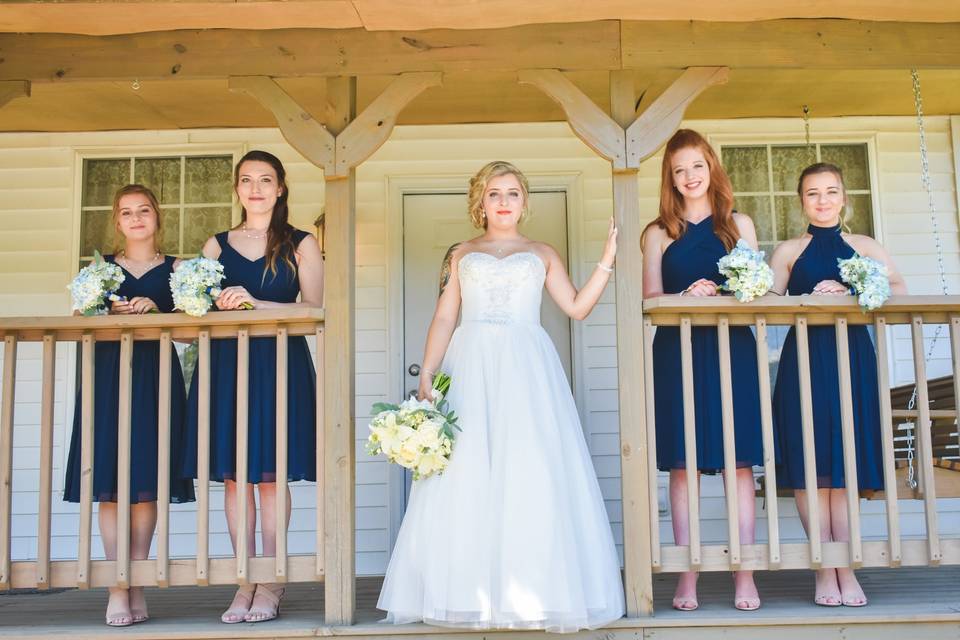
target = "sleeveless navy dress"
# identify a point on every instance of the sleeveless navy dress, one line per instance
(261, 391)
(154, 284)
(818, 262)
(690, 257)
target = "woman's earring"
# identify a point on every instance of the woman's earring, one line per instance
(483, 214)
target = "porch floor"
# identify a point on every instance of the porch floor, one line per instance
(927, 599)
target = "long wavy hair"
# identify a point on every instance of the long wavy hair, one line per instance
(720, 191)
(478, 185)
(138, 189)
(280, 245)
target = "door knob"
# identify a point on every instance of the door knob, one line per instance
(414, 370)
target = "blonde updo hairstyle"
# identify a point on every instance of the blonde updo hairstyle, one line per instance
(134, 189)
(478, 187)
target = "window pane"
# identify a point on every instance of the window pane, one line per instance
(170, 231)
(790, 219)
(758, 208)
(747, 168)
(852, 160)
(101, 179)
(788, 163)
(201, 223)
(96, 232)
(209, 179)
(161, 175)
(859, 217)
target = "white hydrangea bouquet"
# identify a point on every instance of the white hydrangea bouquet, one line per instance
(416, 434)
(748, 275)
(94, 285)
(869, 279)
(195, 284)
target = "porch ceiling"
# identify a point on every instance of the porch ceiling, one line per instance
(467, 97)
(131, 16)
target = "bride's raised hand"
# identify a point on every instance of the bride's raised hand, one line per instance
(610, 248)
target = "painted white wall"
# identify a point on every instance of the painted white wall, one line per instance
(39, 228)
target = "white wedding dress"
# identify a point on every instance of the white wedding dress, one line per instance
(514, 534)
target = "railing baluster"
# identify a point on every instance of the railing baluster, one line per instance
(47, 396)
(202, 371)
(769, 453)
(886, 427)
(123, 460)
(163, 461)
(690, 443)
(86, 459)
(955, 351)
(243, 372)
(809, 450)
(6, 455)
(281, 453)
(849, 443)
(652, 482)
(729, 442)
(321, 443)
(926, 444)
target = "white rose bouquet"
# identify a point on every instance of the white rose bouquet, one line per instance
(94, 285)
(416, 434)
(869, 279)
(748, 275)
(195, 284)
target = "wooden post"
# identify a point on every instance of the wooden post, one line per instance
(202, 372)
(124, 434)
(163, 461)
(87, 365)
(849, 443)
(48, 382)
(729, 442)
(769, 454)
(886, 427)
(809, 445)
(690, 443)
(321, 452)
(8, 401)
(925, 460)
(280, 514)
(242, 454)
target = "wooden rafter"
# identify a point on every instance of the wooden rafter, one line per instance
(11, 89)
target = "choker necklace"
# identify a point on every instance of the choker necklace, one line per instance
(142, 270)
(253, 236)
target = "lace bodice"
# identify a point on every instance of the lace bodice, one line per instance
(501, 290)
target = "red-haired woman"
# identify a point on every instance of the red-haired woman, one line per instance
(696, 227)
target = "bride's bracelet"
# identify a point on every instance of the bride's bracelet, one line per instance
(605, 267)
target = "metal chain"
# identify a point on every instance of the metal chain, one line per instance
(806, 123)
(928, 187)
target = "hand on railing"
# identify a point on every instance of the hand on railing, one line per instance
(830, 288)
(701, 288)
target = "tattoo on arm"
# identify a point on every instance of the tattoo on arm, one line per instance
(445, 268)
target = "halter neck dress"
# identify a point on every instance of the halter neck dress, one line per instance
(816, 263)
(692, 256)
(261, 392)
(153, 284)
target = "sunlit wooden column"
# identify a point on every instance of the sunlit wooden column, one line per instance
(7, 401)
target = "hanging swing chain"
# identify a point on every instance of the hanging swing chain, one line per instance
(806, 123)
(928, 187)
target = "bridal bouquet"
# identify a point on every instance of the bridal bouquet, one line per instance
(748, 276)
(94, 285)
(868, 278)
(196, 284)
(416, 434)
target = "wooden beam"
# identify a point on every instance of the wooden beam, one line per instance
(597, 130)
(338, 375)
(658, 121)
(298, 127)
(11, 89)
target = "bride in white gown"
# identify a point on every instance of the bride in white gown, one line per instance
(514, 534)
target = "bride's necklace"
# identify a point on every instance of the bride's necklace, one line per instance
(137, 271)
(253, 236)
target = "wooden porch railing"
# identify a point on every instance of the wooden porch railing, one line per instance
(162, 571)
(801, 312)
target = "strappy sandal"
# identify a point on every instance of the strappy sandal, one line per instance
(118, 618)
(261, 614)
(235, 614)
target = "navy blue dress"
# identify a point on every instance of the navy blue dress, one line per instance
(818, 262)
(261, 392)
(154, 284)
(690, 257)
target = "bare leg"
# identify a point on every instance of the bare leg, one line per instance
(827, 590)
(746, 596)
(118, 604)
(267, 599)
(850, 589)
(244, 596)
(685, 597)
(143, 521)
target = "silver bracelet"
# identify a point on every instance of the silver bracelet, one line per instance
(605, 268)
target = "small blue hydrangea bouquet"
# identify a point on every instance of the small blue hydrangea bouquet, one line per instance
(195, 284)
(869, 279)
(748, 275)
(95, 285)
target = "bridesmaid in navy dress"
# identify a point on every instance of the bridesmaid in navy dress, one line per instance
(145, 288)
(695, 228)
(267, 265)
(808, 265)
